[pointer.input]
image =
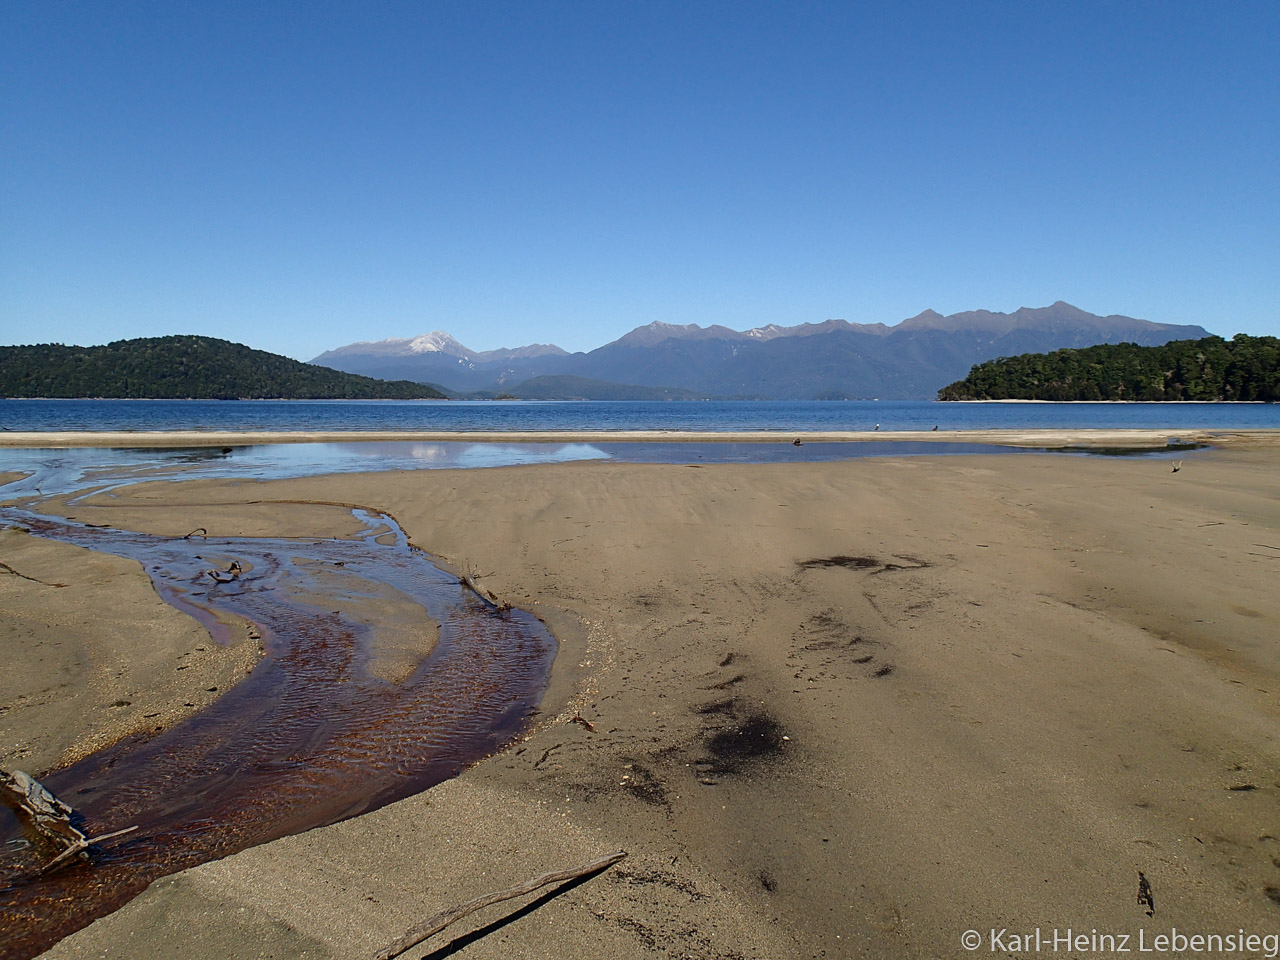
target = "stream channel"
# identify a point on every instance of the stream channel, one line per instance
(321, 729)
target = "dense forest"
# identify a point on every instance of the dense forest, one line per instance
(184, 367)
(1242, 368)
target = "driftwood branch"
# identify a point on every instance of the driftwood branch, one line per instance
(472, 582)
(8, 569)
(442, 920)
(81, 845)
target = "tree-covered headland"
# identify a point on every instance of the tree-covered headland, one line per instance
(184, 367)
(1242, 368)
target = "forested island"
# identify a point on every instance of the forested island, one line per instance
(1242, 368)
(181, 368)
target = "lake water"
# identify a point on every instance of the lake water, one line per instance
(407, 415)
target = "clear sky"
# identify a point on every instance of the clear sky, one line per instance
(297, 176)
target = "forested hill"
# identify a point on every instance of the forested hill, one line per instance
(184, 367)
(1242, 368)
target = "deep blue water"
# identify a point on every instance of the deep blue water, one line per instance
(147, 415)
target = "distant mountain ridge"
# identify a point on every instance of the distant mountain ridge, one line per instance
(834, 358)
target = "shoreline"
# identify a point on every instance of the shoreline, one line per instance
(848, 708)
(1047, 438)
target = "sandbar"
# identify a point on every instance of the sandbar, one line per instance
(1049, 438)
(833, 709)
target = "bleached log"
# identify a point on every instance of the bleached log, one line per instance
(48, 816)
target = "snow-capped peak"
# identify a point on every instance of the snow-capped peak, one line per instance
(437, 341)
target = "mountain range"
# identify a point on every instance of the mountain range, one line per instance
(830, 360)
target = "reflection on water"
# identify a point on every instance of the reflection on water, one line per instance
(55, 471)
(408, 454)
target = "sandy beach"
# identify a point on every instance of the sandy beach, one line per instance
(833, 709)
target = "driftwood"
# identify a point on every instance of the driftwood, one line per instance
(48, 816)
(81, 845)
(8, 569)
(488, 597)
(233, 573)
(442, 920)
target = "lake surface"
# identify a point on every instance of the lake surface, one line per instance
(514, 416)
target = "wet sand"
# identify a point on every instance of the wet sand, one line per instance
(840, 709)
(92, 654)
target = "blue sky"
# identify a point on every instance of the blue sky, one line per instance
(298, 176)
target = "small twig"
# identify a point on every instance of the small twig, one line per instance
(545, 755)
(200, 531)
(1145, 895)
(8, 569)
(1266, 546)
(442, 920)
(919, 565)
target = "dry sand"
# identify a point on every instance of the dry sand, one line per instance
(842, 710)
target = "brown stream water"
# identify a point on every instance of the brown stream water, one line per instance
(314, 734)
